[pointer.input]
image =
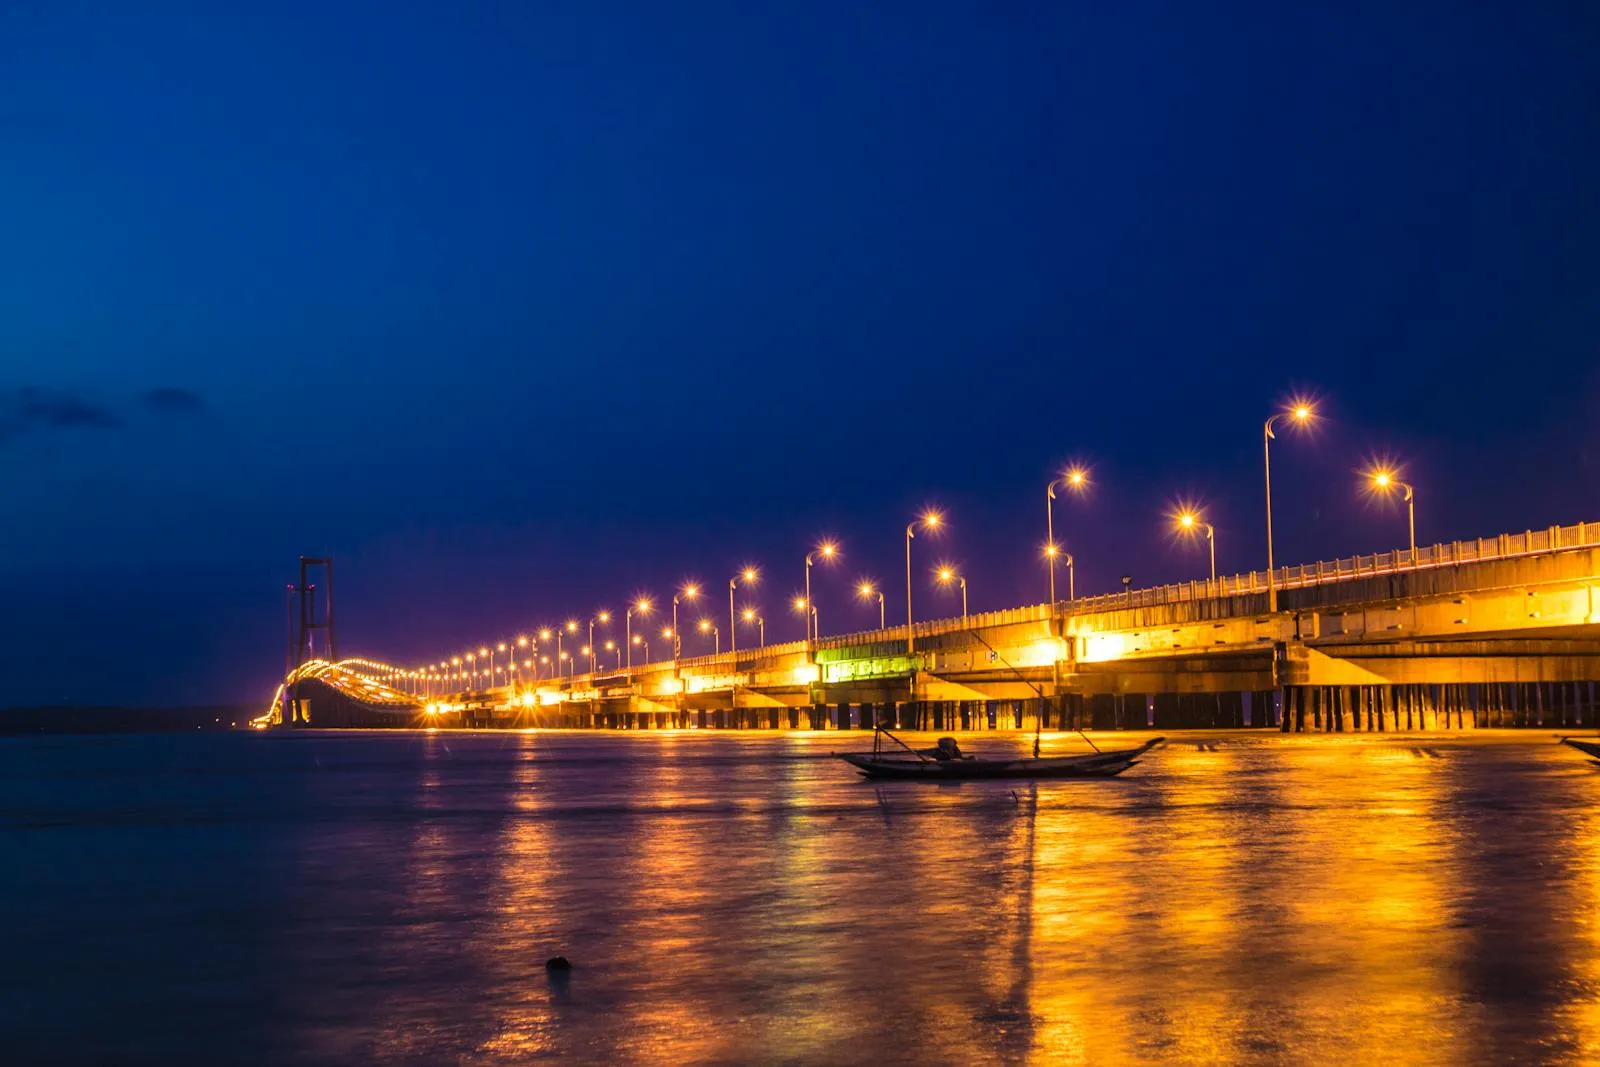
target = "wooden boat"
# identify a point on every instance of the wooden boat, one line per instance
(1588, 748)
(919, 766)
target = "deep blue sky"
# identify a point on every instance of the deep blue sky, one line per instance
(519, 308)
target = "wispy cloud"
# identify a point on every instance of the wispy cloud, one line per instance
(31, 407)
(173, 400)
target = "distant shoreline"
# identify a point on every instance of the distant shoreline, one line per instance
(96, 719)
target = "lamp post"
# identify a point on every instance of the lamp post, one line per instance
(759, 623)
(688, 592)
(709, 627)
(748, 576)
(642, 606)
(1188, 522)
(544, 635)
(1385, 480)
(1300, 413)
(600, 617)
(866, 592)
(611, 646)
(1075, 479)
(929, 521)
(570, 628)
(829, 551)
(644, 642)
(947, 574)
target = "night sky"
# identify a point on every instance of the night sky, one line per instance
(518, 309)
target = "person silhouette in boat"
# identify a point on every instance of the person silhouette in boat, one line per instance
(946, 749)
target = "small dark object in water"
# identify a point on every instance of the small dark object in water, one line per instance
(558, 963)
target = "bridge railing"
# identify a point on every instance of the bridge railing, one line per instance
(1297, 576)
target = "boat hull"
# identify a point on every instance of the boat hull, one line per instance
(1588, 748)
(1090, 765)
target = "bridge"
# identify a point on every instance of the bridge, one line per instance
(1499, 631)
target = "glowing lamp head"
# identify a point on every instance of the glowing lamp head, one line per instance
(799, 603)
(1076, 478)
(691, 591)
(705, 626)
(610, 645)
(932, 520)
(1301, 412)
(572, 626)
(864, 589)
(828, 549)
(749, 574)
(1051, 551)
(485, 651)
(749, 615)
(501, 646)
(1382, 479)
(666, 631)
(522, 642)
(604, 616)
(586, 650)
(544, 635)
(946, 575)
(1186, 520)
(637, 639)
(642, 605)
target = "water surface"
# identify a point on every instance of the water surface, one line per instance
(367, 897)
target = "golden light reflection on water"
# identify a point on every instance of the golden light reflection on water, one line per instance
(747, 900)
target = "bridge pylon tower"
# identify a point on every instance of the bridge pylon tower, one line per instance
(311, 634)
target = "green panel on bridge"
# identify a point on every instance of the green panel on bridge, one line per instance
(850, 670)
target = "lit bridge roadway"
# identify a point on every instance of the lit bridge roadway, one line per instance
(1497, 631)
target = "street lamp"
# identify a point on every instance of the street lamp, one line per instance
(642, 606)
(643, 642)
(611, 646)
(1299, 414)
(1052, 552)
(1076, 479)
(748, 576)
(929, 521)
(603, 617)
(760, 624)
(709, 627)
(563, 657)
(570, 628)
(866, 592)
(946, 575)
(829, 551)
(1188, 522)
(688, 592)
(1384, 480)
